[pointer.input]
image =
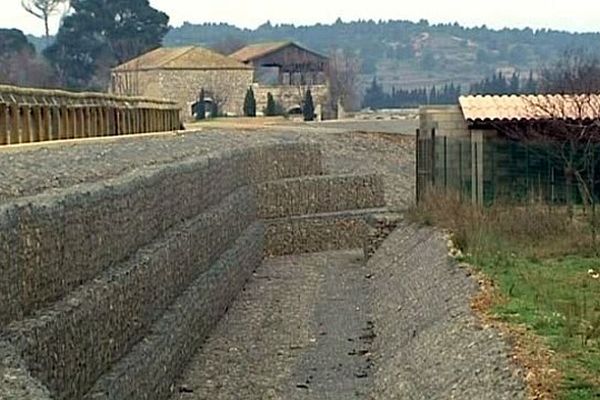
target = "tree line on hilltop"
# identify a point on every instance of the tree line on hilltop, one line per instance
(96, 35)
(375, 41)
(376, 97)
(497, 84)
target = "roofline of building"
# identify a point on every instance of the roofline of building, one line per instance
(225, 68)
(487, 121)
(239, 67)
(275, 49)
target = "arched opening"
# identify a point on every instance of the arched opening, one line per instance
(208, 106)
(295, 110)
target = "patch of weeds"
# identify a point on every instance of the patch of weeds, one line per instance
(543, 263)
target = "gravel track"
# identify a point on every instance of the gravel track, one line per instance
(294, 333)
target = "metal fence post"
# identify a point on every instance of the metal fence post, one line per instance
(460, 169)
(445, 162)
(432, 157)
(417, 161)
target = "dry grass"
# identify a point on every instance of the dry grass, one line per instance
(538, 269)
(528, 350)
(535, 230)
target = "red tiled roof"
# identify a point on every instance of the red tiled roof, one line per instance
(530, 107)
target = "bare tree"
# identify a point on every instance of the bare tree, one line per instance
(576, 72)
(564, 123)
(43, 9)
(342, 74)
(27, 69)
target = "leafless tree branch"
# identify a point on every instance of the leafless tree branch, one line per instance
(43, 9)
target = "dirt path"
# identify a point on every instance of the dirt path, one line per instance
(302, 329)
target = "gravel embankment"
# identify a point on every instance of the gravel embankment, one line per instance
(429, 343)
(32, 170)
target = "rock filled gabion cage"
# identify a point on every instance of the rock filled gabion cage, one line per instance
(108, 287)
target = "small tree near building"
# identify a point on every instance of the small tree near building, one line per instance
(308, 108)
(250, 103)
(343, 70)
(271, 109)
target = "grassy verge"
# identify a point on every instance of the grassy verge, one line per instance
(545, 267)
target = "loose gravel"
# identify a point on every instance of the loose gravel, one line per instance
(330, 326)
(319, 326)
(30, 170)
(429, 344)
(300, 330)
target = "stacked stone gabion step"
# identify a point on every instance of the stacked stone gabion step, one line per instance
(313, 214)
(109, 287)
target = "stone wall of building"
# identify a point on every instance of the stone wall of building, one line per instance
(226, 87)
(109, 287)
(289, 97)
(446, 120)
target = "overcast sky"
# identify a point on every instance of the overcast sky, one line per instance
(571, 15)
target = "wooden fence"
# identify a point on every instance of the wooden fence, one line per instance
(34, 115)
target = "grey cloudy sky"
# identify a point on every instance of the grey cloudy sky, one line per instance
(572, 15)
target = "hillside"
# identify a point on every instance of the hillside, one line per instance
(407, 54)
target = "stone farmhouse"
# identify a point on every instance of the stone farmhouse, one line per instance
(284, 69)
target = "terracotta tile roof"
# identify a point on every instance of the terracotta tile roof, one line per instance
(189, 57)
(530, 107)
(258, 50)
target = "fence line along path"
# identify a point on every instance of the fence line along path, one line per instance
(34, 115)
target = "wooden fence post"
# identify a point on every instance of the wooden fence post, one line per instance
(70, 132)
(3, 124)
(14, 124)
(63, 132)
(39, 119)
(54, 123)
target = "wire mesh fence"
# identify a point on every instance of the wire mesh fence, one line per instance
(486, 171)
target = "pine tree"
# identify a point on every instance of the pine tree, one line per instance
(515, 84)
(308, 108)
(374, 96)
(250, 103)
(531, 85)
(433, 98)
(271, 109)
(200, 106)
